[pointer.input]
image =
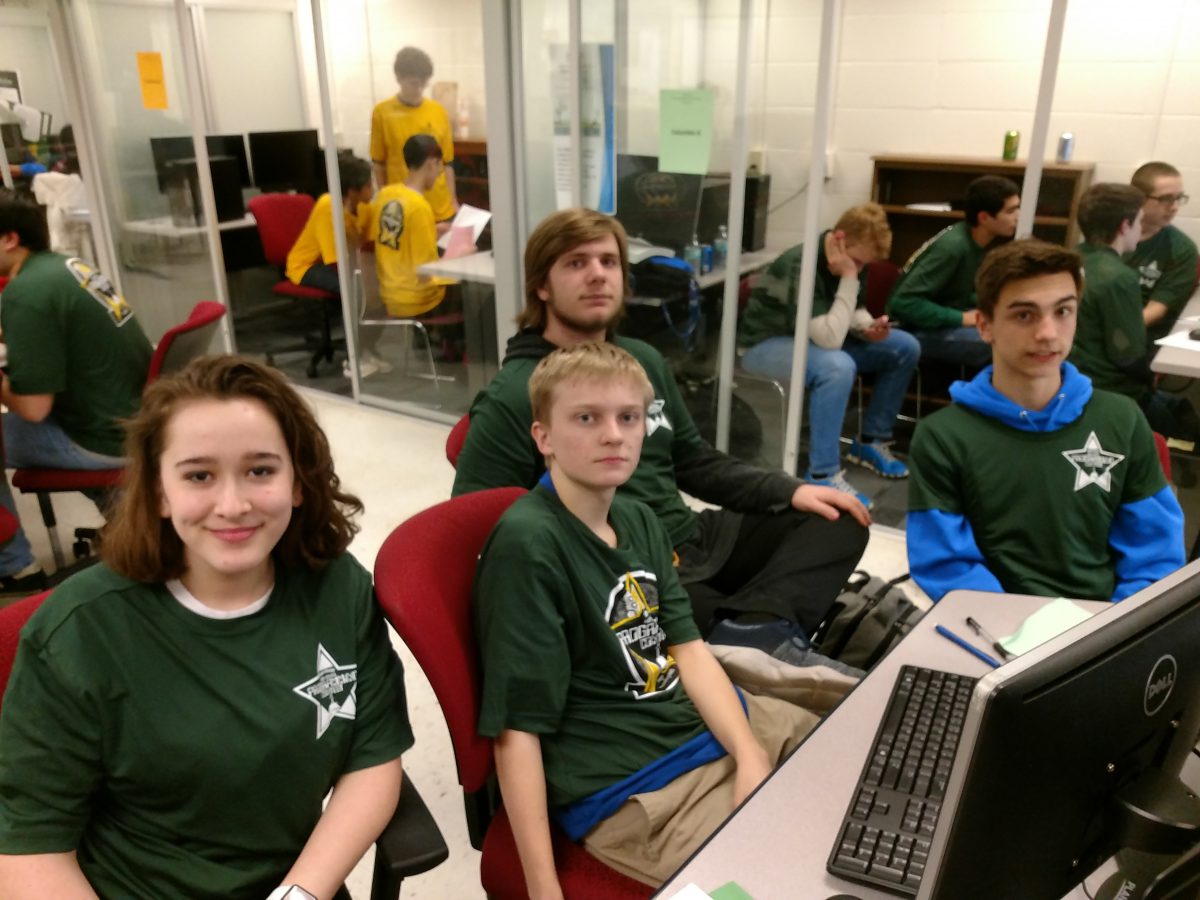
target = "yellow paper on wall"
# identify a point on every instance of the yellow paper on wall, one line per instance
(154, 87)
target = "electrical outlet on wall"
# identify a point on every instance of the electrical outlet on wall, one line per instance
(829, 157)
(756, 159)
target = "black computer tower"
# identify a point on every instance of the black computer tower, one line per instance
(754, 222)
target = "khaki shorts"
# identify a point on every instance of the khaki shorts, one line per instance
(651, 835)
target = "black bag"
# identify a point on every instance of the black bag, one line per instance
(670, 280)
(867, 619)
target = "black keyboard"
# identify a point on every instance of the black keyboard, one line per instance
(885, 836)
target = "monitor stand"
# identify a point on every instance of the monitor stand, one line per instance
(1159, 822)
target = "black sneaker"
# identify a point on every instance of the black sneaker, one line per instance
(22, 585)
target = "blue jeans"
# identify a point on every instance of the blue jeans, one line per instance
(960, 346)
(828, 380)
(44, 444)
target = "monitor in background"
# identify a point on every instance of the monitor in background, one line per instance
(1057, 740)
(168, 150)
(287, 161)
(659, 207)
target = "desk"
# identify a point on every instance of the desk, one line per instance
(1181, 360)
(777, 844)
(477, 272)
(164, 227)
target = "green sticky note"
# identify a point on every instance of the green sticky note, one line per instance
(1050, 621)
(685, 128)
(730, 891)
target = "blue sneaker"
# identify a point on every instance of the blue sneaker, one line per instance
(877, 456)
(838, 480)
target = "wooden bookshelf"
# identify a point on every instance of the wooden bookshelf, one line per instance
(471, 173)
(902, 180)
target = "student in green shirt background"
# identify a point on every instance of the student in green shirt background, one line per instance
(1165, 257)
(934, 298)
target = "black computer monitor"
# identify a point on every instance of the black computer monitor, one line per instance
(287, 161)
(167, 150)
(659, 207)
(1054, 738)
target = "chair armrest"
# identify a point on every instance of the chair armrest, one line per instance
(410, 844)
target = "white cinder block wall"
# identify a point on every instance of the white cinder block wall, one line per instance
(951, 76)
(912, 76)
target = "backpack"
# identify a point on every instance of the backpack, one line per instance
(867, 619)
(670, 279)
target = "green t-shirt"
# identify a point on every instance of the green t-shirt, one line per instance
(501, 450)
(574, 637)
(937, 284)
(1110, 328)
(1166, 268)
(1040, 504)
(70, 334)
(184, 756)
(771, 311)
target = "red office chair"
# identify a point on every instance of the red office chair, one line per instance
(1164, 454)
(456, 439)
(280, 219)
(423, 577)
(410, 844)
(189, 339)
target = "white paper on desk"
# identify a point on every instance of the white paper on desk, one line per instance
(1179, 339)
(691, 892)
(468, 216)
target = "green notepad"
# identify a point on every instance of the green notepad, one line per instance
(730, 891)
(1048, 622)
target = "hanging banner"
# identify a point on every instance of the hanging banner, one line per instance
(597, 87)
(150, 74)
(685, 128)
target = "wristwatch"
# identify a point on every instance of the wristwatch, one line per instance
(290, 892)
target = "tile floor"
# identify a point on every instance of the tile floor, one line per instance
(397, 465)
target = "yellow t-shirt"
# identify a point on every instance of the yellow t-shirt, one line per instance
(316, 244)
(405, 235)
(392, 124)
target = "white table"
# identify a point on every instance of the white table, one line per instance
(164, 227)
(775, 846)
(477, 272)
(1181, 360)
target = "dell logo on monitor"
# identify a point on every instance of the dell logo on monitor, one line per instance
(1160, 683)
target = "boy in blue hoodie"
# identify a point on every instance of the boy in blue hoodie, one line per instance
(1032, 482)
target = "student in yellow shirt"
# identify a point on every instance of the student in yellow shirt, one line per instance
(398, 118)
(312, 261)
(402, 226)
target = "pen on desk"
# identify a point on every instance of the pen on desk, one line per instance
(969, 647)
(983, 633)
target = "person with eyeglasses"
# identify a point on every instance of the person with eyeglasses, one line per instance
(1165, 258)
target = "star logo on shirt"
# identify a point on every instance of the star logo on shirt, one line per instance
(332, 690)
(1093, 464)
(656, 418)
(1150, 274)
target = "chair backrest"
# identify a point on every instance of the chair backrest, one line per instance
(187, 340)
(12, 619)
(456, 439)
(1164, 454)
(423, 577)
(280, 219)
(881, 278)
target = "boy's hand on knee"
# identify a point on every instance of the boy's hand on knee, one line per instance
(752, 770)
(829, 503)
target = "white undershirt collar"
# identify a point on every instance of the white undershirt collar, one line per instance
(189, 602)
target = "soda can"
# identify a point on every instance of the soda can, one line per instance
(706, 259)
(1012, 140)
(1066, 146)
